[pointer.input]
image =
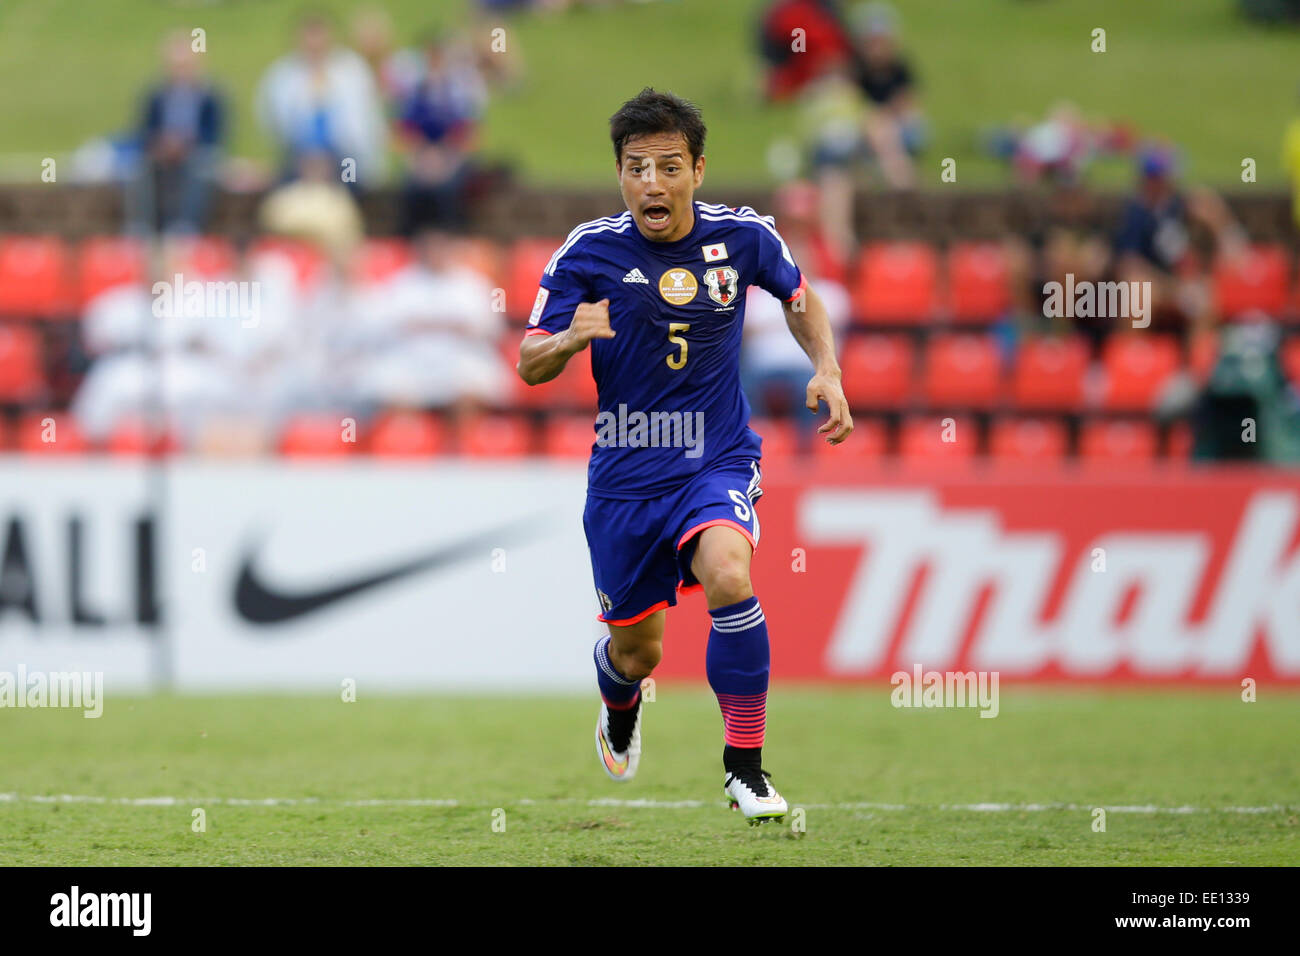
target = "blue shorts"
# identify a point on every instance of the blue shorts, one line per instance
(641, 550)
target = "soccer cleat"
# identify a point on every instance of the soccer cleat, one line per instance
(617, 729)
(753, 796)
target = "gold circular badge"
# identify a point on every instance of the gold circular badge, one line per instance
(678, 286)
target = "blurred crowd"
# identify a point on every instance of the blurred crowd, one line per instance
(421, 323)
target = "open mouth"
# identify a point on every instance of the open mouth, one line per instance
(656, 215)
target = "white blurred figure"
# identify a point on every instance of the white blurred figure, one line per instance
(430, 336)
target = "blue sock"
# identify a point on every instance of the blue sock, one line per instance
(737, 663)
(616, 690)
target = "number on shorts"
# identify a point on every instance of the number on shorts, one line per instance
(742, 504)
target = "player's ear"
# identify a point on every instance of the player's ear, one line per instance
(699, 171)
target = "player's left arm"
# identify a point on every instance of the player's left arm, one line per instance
(811, 327)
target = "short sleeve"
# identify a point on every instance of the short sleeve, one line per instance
(777, 272)
(564, 285)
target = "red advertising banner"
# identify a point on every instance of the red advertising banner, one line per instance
(1152, 576)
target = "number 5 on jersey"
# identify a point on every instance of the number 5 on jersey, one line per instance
(679, 360)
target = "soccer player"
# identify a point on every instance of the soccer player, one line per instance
(658, 294)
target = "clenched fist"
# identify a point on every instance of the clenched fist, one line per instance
(590, 321)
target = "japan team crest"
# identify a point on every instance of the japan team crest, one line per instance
(723, 282)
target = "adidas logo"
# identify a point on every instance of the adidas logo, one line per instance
(636, 276)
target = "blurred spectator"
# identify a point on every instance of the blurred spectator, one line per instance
(1154, 241)
(1246, 409)
(181, 132)
(894, 128)
(315, 207)
(774, 368)
(429, 336)
(1060, 147)
(437, 127)
(322, 99)
(799, 40)
(397, 72)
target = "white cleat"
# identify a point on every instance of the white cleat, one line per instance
(753, 796)
(620, 765)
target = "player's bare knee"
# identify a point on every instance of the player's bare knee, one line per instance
(726, 581)
(636, 661)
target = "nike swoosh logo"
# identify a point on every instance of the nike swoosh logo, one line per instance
(259, 604)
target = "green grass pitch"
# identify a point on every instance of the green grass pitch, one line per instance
(356, 783)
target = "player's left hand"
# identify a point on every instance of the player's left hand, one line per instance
(826, 387)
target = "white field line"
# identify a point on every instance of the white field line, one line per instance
(639, 804)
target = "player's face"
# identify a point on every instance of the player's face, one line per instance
(658, 182)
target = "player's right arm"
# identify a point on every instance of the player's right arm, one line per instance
(542, 357)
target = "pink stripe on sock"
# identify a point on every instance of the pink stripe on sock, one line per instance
(744, 719)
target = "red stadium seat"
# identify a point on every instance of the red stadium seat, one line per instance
(1256, 279)
(1049, 374)
(576, 389)
(133, 438)
(50, 433)
(1180, 442)
(569, 436)
(1290, 357)
(406, 434)
(33, 277)
(203, 257)
(877, 371)
(778, 436)
(1028, 440)
(895, 283)
(307, 260)
(922, 439)
(107, 262)
(869, 441)
(496, 436)
(316, 436)
(979, 282)
(1203, 354)
(22, 373)
(962, 371)
(380, 259)
(1117, 442)
(528, 259)
(1137, 366)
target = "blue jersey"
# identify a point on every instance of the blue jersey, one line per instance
(668, 383)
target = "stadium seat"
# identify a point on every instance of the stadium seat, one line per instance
(1137, 366)
(895, 283)
(778, 436)
(1110, 442)
(496, 436)
(877, 370)
(1028, 440)
(869, 441)
(406, 434)
(979, 289)
(380, 259)
(575, 388)
(568, 436)
(1256, 279)
(33, 277)
(204, 257)
(1202, 355)
(307, 260)
(1180, 441)
(61, 428)
(22, 373)
(962, 371)
(921, 440)
(106, 262)
(1290, 358)
(1049, 374)
(315, 436)
(528, 258)
(131, 437)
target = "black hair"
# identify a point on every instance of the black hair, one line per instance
(653, 112)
